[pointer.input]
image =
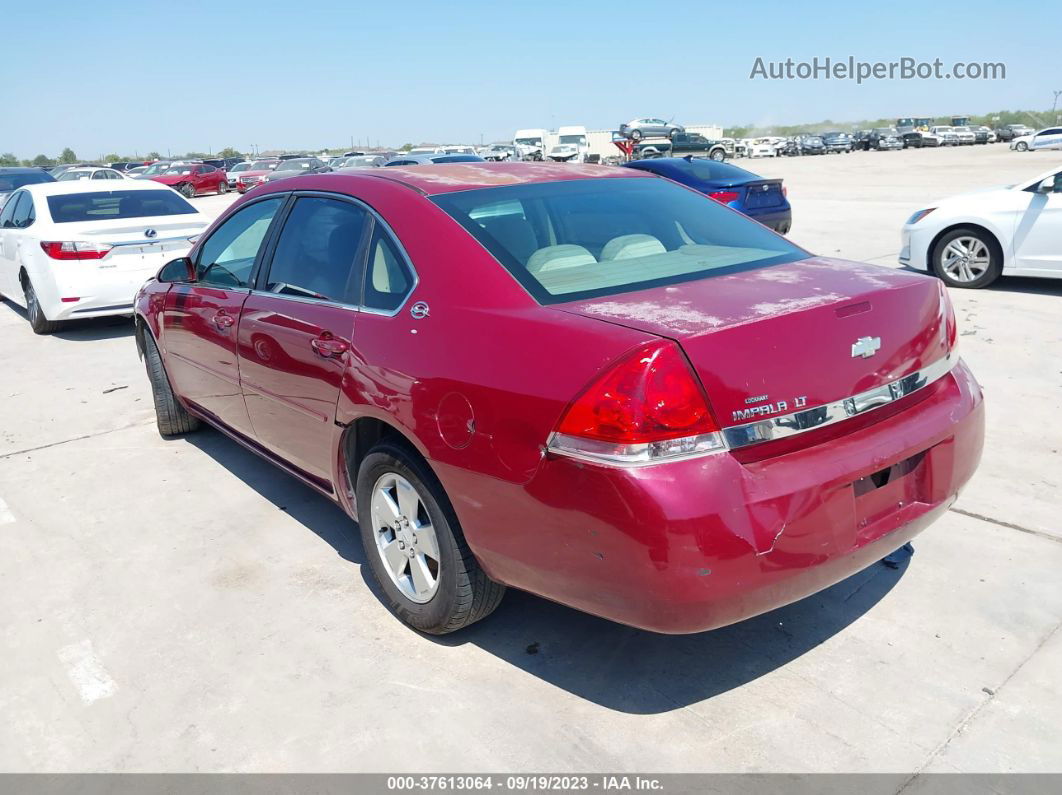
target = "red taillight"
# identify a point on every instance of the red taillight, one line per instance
(724, 196)
(951, 325)
(646, 408)
(75, 249)
(785, 191)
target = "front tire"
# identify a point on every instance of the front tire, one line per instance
(171, 417)
(968, 258)
(223, 188)
(718, 155)
(1021, 146)
(39, 322)
(415, 546)
(636, 135)
(187, 190)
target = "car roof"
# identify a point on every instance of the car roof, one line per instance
(90, 186)
(440, 178)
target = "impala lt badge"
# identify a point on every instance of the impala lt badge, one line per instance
(866, 347)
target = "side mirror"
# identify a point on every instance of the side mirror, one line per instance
(177, 271)
(1050, 185)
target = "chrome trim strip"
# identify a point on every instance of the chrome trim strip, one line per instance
(152, 241)
(797, 422)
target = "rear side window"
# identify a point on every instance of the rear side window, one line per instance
(8, 214)
(317, 250)
(227, 257)
(586, 238)
(388, 278)
(109, 205)
(24, 214)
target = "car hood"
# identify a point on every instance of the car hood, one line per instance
(170, 179)
(786, 332)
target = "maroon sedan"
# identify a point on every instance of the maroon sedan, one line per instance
(191, 179)
(256, 174)
(585, 382)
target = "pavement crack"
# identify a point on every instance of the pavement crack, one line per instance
(1008, 525)
(72, 439)
(960, 727)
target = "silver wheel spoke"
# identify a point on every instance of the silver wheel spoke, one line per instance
(422, 579)
(384, 507)
(427, 542)
(395, 558)
(408, 501)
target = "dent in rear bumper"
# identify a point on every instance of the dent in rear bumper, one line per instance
(703, 543)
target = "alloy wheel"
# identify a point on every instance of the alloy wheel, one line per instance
(965, 259)
(405, 538)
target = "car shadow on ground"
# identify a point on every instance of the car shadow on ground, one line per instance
(1026, 284)
(87, 330)
(618, 667)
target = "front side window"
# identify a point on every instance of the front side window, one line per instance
(317, 249)
(388, 278)
(227, 257)
(587, 238)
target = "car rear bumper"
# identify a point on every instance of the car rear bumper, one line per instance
(780, 220)
(101, 293)
(702, 543)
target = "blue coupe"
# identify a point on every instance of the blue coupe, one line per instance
(761, 199)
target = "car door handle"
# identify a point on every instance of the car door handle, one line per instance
(328, 346)
(223, 319)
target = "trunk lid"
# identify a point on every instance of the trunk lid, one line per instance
(774, 340)
(131, 240)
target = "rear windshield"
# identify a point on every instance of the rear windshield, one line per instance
(103, 206)
(705, 169)
(578, 239)
(9, 182)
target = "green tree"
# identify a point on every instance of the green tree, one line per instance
(113, 158)
(42, 161)
(8, 159)
(153, 156)
(228, 151)
(68, 156)
(406, 147)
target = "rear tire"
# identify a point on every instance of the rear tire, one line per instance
(636, 135)
(171, 417)
(717, 155)
(458, 592)
(39, 322)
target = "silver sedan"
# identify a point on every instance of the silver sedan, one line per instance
(637, 129)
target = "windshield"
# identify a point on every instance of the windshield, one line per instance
(157, 168)
(10, 182)
(181, 171)
(68, 176)
(240, 167)
(293, 165)
(529, 141)
(586, 238)
(572, 139)
(99, 206)
(263, 165)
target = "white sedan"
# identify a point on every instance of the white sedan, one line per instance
(82, 249)
(1049, 138)
(973, 239)
(90, 172)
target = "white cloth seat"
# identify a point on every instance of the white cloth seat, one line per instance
(631, 246)
(565, 255)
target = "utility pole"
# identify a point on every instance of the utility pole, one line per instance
(1055, 105)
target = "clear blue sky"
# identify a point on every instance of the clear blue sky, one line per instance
(120, 75)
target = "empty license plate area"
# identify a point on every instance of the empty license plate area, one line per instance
(890, 489)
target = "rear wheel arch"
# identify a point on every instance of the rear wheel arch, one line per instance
(365, 433)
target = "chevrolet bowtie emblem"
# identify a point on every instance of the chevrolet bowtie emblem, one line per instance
(866, 347)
